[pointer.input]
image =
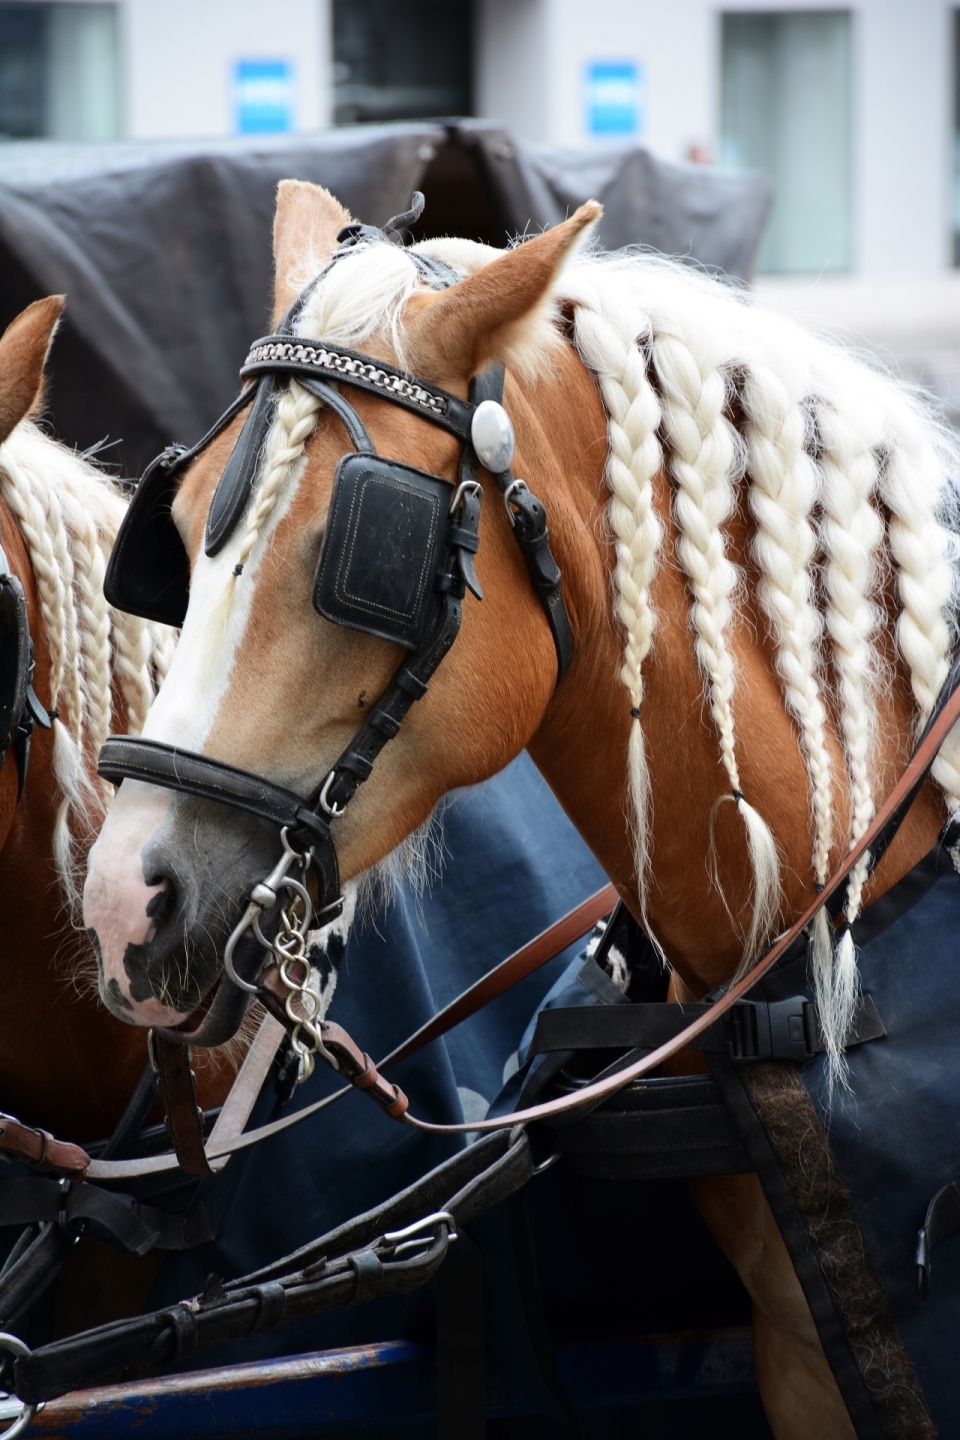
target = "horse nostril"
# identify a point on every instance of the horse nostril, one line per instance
(159, 906)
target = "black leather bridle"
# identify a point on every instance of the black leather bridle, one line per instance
(396, 560)
(20, 710)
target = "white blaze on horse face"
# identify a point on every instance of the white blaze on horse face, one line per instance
(116, 894)
(117, 898)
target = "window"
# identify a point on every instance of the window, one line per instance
(956, 137)
(786, 111)
(58, 71)
(401, 59)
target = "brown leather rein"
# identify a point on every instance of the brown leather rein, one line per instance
(227, 1137)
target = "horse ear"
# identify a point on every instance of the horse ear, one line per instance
(490, 313)
(305, 230)
(23, 353)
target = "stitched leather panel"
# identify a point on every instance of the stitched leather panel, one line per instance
(385, 534)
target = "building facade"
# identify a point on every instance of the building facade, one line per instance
(854, 110)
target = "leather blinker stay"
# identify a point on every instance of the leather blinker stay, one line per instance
(20, 710)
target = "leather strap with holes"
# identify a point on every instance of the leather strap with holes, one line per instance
(178, 1091)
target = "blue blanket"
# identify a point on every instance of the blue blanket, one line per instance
(896, 1135)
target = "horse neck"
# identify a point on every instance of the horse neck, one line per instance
(582, 744)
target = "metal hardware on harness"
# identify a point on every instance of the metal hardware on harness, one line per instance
(416, 1236)
(23, 1413)
(514, 488)
(263, 897)
(466, 487)
(491, 431)
(302, 1003)
(333, 810)
(780, 1030)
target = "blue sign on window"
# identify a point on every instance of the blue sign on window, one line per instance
(614, 92)
(263, 94)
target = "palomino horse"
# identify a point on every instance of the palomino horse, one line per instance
(749, 531)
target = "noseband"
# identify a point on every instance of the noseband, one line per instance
(396, 562)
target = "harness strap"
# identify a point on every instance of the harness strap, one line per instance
(752, 1031)
(41, 1150)
(523, 962)
(184, 1116)
(389, 1250)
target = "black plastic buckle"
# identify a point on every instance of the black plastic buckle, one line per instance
(780, 1030)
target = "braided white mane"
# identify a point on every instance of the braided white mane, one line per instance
(827, 445)
(68, 513)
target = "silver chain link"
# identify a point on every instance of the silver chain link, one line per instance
(321, 359)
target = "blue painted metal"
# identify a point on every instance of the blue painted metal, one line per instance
(391, 1384)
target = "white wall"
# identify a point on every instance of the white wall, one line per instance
(178, 58)
(903, 136)
(531, 56)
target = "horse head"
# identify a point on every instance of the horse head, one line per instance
(264, 682)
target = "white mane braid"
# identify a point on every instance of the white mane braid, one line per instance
(828, 446)
(68, 513)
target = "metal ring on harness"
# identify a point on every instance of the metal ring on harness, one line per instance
(26, 1412)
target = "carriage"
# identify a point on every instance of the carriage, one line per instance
(643, 1307)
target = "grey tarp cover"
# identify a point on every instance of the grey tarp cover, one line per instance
(163, 249)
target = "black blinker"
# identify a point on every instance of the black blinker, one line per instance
(148, 573)
(386, 530)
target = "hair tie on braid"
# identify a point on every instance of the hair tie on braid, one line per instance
(737, 794)
(238, 570)
(635, 712)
